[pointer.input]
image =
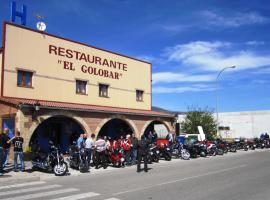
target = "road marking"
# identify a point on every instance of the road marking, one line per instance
(112, 199)
(79, 196)
(18, 191)
(22, 185)
(43, 194)
(180, 180)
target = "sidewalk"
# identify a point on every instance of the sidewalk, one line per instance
(11, 177)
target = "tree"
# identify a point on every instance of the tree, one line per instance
(199, 117)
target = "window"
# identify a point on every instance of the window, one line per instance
(24, 78)
(81, 87)
(103, 90)
(139, 95)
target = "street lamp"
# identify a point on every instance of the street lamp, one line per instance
(231, 67)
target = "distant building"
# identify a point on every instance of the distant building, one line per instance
(247, 124)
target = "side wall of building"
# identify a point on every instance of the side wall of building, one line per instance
(243, 124)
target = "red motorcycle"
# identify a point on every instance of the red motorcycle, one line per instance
(116, 157)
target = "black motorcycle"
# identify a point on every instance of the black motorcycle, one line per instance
(192, 149)
(232, 147)
(201, 149)
(52, 161)
(78, 158)
(154, 154)
(241, 144)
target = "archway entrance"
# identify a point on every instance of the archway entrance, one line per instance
(115, 128)
(61, 130)
(158, 126)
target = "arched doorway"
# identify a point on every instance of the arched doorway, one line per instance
(158, 126)
(115, 128)
(61, 130)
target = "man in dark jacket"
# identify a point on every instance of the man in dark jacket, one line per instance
(3, 146)
(142, 150)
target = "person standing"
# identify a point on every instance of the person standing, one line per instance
(89, 145)
(143, 148)
(3, 144)
(80, 140)
(100, 146)
(17, 142)
(7, 147)
(134, 142)
(154, 137)
(127, 148)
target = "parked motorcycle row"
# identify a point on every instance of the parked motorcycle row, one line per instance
(161, 150)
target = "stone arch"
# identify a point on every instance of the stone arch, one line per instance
(63, 113)
(121, 117)
(166, 124)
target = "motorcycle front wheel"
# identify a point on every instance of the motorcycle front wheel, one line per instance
(60, 169)
(185, 155)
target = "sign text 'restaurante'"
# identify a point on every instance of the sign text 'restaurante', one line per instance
(86, 58)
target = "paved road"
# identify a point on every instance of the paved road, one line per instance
(241, 176)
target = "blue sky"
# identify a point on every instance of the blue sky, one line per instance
(188, 42)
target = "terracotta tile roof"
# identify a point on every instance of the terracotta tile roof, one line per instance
(83, 107)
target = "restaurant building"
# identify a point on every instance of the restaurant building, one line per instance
(54, 89)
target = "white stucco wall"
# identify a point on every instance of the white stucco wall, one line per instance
(247, 124)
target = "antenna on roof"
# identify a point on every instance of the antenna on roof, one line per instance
(41, 26)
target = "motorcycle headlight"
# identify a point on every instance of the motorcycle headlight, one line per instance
(122, 159)
(168, 149)
(157, 151)
(151, 153)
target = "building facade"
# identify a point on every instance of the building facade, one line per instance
(248, 124)
(53, 88)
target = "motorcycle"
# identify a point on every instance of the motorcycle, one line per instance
(221, 146)
(165, 152)
(178, 151)
(78, 159)
(241, 144)
(232, 147)
(251, 144)
(116, 157)
(201, 149)
(153, 155)
(192, 149)
(52, 162)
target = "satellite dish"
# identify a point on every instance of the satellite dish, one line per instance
(41, 26)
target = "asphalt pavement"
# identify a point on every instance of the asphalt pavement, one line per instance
(240, 176)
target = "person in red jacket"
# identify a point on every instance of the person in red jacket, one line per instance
(127, 146)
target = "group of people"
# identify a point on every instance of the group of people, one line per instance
(264, 136)
(135, 151)
(5, 144)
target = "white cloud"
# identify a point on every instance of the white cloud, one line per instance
(236, 20)
(212, 56)
(192, 88)
(183, 51)
(171, 77)
(255, 43)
